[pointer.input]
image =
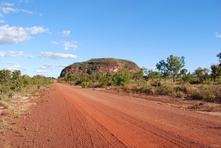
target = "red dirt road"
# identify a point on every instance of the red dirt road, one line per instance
(68, 117)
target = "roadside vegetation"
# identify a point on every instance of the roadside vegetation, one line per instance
(12, 83)
(14, 89)
(169, 78)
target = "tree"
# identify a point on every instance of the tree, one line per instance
(71, 78)
(172, 66)
(219, 56)
(16, 80)
(5, 81)
(184, 75)
(153, 75)
(202, 73)
(215, 72)
(183, 72)
(122, 77)
(5, 77)
(16, 75)
(138, 76)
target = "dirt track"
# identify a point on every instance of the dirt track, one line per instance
(68, 116)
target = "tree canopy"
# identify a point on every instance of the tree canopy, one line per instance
(171, 66)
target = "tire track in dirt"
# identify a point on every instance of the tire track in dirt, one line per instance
(73, 117)
(99, 135)
(168, 134)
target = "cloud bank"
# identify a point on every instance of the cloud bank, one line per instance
(52, 55)
(13, 34)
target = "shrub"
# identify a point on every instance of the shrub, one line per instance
(84, 84)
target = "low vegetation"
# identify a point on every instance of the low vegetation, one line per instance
(13, 82)
(14, 87)
(169, 78)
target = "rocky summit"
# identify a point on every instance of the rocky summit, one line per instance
(103, 65)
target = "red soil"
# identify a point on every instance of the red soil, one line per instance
(68, 116)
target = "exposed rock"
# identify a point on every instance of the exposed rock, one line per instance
(104, 65)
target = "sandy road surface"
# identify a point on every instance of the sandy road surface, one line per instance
(68, 116)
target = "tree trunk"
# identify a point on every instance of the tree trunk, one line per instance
(174, 78)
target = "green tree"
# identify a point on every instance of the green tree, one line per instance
(105, 79)
(215, 72)
(16, 80)
(16, 75)
(71, 78)
(172, 66)
(202, 74)
(219, 56)
(5, 76)
(138, 75)
(184, 75)
(183, 72)
(154, 75)
(5, 81)
(122, 77)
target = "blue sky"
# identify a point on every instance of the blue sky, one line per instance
(42, 37)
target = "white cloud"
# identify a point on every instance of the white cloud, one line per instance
(10, 53)
(11, 65)
(6, 4)
(54, 42)
(66, 33)
(42, 71)
(14, 67)
(13, 34)
(67, 44)
(218, 35)
(28, 56)
(7, 10)
(15, 54)
(2, 21)
(26, 11)
(27, 1)
(52, 66)
(57, 55)
(48, 68)
(70, 44)
(36, 30)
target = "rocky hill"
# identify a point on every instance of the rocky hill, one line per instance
(104, 65)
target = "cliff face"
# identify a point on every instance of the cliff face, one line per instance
(104, 65)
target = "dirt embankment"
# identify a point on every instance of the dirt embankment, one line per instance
(67, 116)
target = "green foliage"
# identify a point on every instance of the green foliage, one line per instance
(219, 56)
(138, 75)
(154, 75)
(122, 77)
(84, 84)
(105, 79)
(215, 72)
(202, 74)
(12, 82)
(71, 78)
(172, 66)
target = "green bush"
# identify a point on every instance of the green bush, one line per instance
(84, 84)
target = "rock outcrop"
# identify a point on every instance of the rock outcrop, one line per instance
(103, 65)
